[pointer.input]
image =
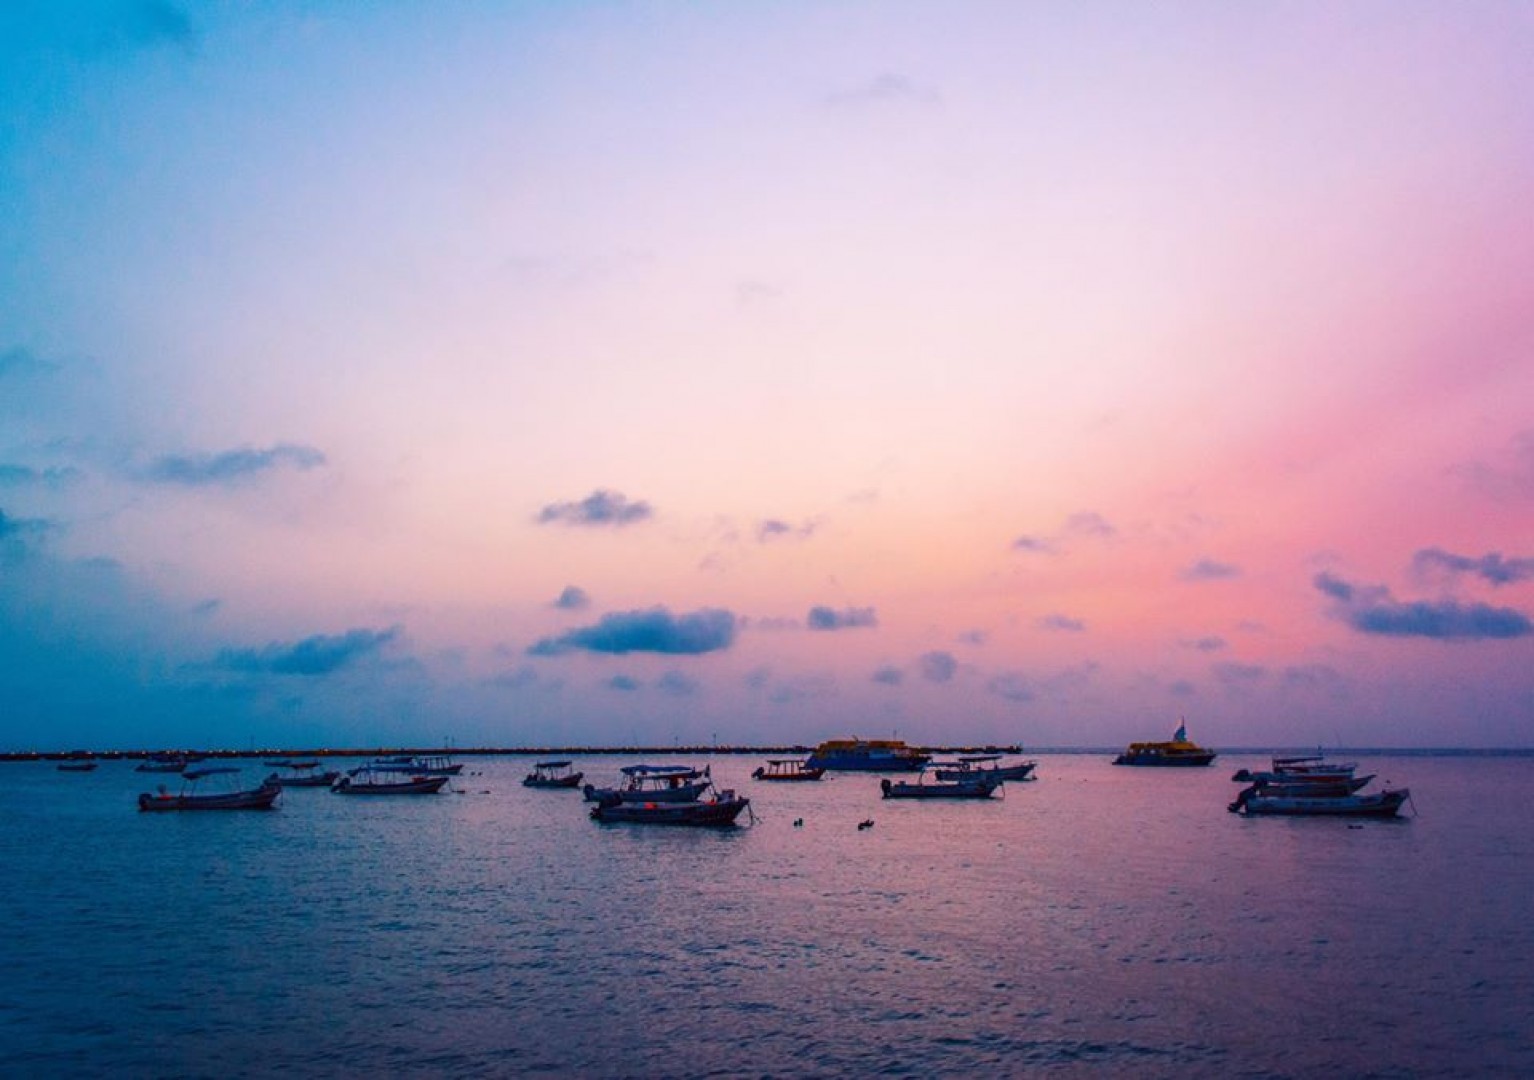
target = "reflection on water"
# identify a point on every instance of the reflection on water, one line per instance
(1095, 917)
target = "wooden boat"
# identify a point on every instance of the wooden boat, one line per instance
(1180, 751)
(1255, 800)
(380, 779)
(303, 774)
(427, 765)
(76, 766)
(789, 769)
(977, 788)
(720, 808)
(552, 774)
(655, 783)
(867, 755)
(164, 763)
(190, 798)
(968, 768)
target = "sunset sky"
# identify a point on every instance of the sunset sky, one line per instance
(552, 373)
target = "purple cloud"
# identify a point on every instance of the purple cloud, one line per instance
(599, 509)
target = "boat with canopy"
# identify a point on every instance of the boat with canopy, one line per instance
(553, 774)
(191, 797)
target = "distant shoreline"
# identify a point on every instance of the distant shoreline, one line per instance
(696, 751)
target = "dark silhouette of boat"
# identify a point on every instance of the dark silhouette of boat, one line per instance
(656, 784)
(384, 779)
(164, 763)
(424, 765)
(719, 808)
(192, 798)
(973, 767)
(787, 769)
(77, 766)
(552, 774)
(976, 788)
(304, 774)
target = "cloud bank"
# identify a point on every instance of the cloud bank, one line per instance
(321, 654)
(655, 630)
(1372, 610)
(230, 466)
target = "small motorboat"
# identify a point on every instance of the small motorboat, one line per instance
(379, 779)
(1258, 800)
(719, 808)
(164, 763)
(1293, 769)
(655, 783)
(77, 766)
(981, 787)
(305, 774)
(424, 765)
(984, 765)
(553, 774)
(191, 798)
(788, 769)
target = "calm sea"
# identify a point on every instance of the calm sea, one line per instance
(1098, 919)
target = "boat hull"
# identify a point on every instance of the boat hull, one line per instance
(1380, 804)
(1007, 772)
(983, 789)
(261, 798)
(1168, 761)
(571, 781)
(788, 777)
(720, 813)
(84, 766)
(422, 785)
(682, 793)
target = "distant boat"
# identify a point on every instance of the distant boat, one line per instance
(1307, 767)
(977, 788)
(552, 774)
(76, 766)
(385, 779)
(1179, 752)
(718, 809)
(191, 798)
(975, 766)
(787, 769)
(166, 763)
(867, 755)
(303, 774)
(655, 783)
(427, 765)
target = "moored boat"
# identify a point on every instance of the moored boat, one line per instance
(424, 764)
(190, 798)
(975, 788)
(719, 808)
(1256, 800)
(553, 774)
(305, 774)
(76, 766)
(379, 779)
(867, 755)
(984, 766)
(787, 769)
(1179, 751)
(165, 763)
(655, 783)
(1292, 769)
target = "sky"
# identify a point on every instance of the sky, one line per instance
(583, 373)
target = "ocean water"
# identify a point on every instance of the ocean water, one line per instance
(1096, 920)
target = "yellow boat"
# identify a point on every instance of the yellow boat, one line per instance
(1179, 752)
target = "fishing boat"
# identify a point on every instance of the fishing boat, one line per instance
(191, 798)
(165, 763)
(654, 783)
(984, 765)
(1180, 751)
(867, 755)
(77, 766)
(981, 787)
(1308, 766)
(305, 774)
(719, 808)
(1259, 799)
(424, 765)
(383, 779)
(787, 769)
(553, 774)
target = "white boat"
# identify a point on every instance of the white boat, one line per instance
(1386, 803)
(976, 788)
(984, 765)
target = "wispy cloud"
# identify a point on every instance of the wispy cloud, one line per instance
(321, 654)
(775, 529)
(23, 362)
(825, 618)
(1209, 570)
(600, 508)
(26, 476)
(1233, 674)
(1211, 643)
(1090, 523)
(938, 666)
(231, 466)
(1034, 544)
(1493, 567)
(1508, 476)
(624, 683)
(1061, 623)
(1011, 685)
(677, 684)
(976, 638)
(573, 598)
(655, 630)
(888, 675)
(1371, 609)
(886, 88)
